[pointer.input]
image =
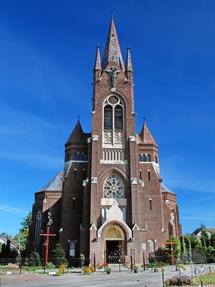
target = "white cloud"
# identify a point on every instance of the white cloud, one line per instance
(33, 159)
(180, 173)
(12, 210)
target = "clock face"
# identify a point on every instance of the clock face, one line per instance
(113, 187)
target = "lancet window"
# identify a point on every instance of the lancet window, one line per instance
(113, 134)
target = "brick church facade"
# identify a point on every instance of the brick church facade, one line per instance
(110, 199)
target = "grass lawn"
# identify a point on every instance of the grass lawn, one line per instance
(207, 279)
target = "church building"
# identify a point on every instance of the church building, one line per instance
(110, 201)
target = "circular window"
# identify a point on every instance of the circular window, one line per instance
(113, 187)
(113, 100)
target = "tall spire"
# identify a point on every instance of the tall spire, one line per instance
(97, 65)
(112, 53)
(128, 66)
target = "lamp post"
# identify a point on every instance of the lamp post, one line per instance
(119, 265)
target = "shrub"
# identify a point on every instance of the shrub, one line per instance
(178, 281)
(207, 279)
(135, 268)
(58, 256)
(101, 265)
(34, 259)
(87, 270)
(107, 270)
(50, 265)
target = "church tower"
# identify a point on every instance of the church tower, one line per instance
(114, 203)
(124, 185)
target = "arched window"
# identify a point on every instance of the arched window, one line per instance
(108, 118)
(144, 157)
(156, 159)
(140, 157)
(114, 187)
(118, 112)
(113, 121)
(148, 158)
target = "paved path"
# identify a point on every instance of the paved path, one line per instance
(98, 279)
(147, 278)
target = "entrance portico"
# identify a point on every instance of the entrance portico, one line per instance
(115, 244)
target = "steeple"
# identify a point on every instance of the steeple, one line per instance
(146, 135)
(97, 65)
(112, 54)
(76, 135)
(128, 66)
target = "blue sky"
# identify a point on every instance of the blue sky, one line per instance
(47, 51)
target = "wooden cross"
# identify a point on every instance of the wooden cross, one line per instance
(47, 235)
(171, 244)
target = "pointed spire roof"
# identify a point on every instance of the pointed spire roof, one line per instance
(77, 134)
(112, 53)
(128, 61)
(146, 135)
(97, 65)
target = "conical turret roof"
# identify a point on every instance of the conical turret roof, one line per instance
(146, 135)
(77, 134)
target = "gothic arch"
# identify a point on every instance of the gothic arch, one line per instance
(127, 231)
(118, 94)
(110, 171)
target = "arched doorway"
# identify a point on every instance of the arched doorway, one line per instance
(115, 244)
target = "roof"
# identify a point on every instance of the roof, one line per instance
(55, 184)
(77, 135)
(97, 65)
(146, 135)
(198, 230)
(13, 244)
(164, 188)
(112, 52)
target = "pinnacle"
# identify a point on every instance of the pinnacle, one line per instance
(97, 65)
(128, 61)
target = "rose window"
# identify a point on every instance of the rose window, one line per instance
(113, 187)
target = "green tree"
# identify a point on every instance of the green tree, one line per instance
(188, 240)
(4, 234)
(58, 256)
(183, 247)
(205, 237)
(22, 237)
(34, 259)
(213, 239)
